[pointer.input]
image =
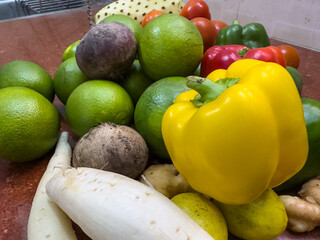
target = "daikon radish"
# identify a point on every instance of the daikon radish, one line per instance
(111, 206)
(46, 219)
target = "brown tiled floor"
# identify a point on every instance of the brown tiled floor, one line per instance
(42, 39)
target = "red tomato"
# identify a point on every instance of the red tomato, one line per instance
(151, 15)
(219, 25)
(207, 31)
(291, 55)
(195, 8)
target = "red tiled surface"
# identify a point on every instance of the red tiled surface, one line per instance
(42, 39)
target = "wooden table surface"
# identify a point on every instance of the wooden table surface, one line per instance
(42, 39)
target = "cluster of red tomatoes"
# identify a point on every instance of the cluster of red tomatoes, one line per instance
(198, 12)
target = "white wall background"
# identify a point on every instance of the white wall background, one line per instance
(292, 21)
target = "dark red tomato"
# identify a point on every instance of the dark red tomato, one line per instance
(151, 15)
(219, 25)
(291, 55)
(207, 31)
(195, 8)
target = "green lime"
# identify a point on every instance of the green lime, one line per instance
(27, 74)
(197, 71)
(150, 109)
(170, 45)
(70, 51)
(264, 218)
(204, 212)
(67, 77)
(135, 81)
(134, 26)
(29, 124)
(95, 102)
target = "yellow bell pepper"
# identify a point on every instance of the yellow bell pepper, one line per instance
(238, 134)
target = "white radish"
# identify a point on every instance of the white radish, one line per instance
(46, 219)
(111, 206)
(137, 9)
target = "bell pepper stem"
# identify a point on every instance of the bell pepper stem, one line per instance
(243, 51)
(208, 90)
(235, 21)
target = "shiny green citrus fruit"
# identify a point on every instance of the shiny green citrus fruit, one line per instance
(135, 82)
(29, 124)
(97, 101)
(70, 51)
(67, 77)
(20, 73)
(170, 45)
(150, 109)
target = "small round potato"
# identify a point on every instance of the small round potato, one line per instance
(111, 147)
(165, 179)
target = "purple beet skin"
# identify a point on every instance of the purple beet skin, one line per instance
(107, 51)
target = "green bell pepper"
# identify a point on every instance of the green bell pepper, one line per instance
(311, 168)
(252, 35)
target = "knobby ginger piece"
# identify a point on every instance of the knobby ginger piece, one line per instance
(304, 210)
(303, 216)
(310, 191)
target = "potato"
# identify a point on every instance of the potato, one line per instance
(111, 147)
(165, 179)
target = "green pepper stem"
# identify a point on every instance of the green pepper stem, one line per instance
(243, 51)
(235, 22)
(208, 90)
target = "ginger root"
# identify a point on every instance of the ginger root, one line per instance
(304, 210)
(311, 191)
